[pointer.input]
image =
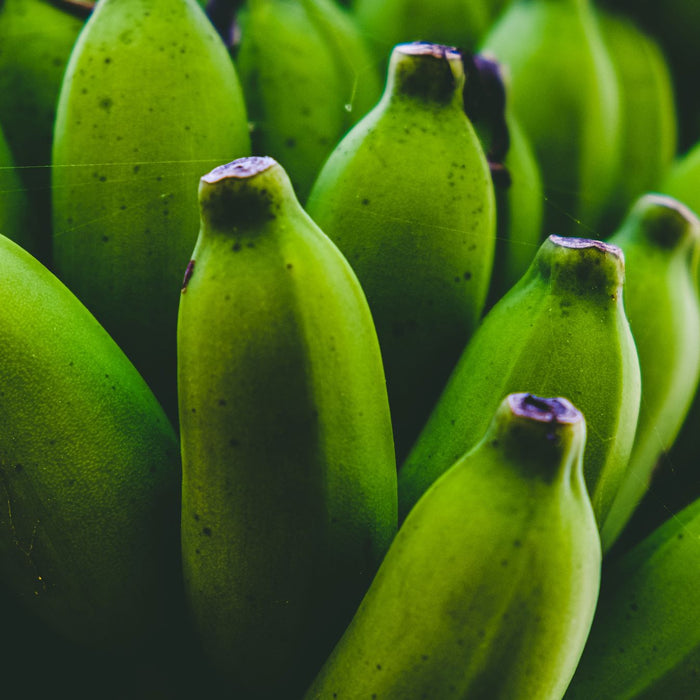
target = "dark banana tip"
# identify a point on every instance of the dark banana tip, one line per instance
(426, 48)
(585, 267)
(664, 220)
(242, 168)
(544, 410)
(426, 71)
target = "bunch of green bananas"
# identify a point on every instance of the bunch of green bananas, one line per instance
(350, 350)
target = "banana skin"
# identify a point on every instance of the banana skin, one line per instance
(89, 471)
(407, 196)
(644, 643)
(150, 102)
(489, 588)
(560, 331)
(289, 478)
(660, 238)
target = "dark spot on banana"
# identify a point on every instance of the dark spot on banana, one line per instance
(206, 531)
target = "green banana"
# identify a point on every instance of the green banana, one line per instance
(648, 112)
(683, 177)
(408, 198)
(489, 588)
(675, 24)
(289, 478)
(89, 470)
(14, 208)
(645, 637)
(307, 76)
(565, 95)
(36, 39)
(515, 172)
(150, 101)
(660, 239)
(461, 23)
(562, 331)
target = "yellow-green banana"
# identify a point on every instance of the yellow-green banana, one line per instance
(289, 478)
(516, 174)
(560, 331)
(565, 95)
(661, 242)
(489, 587)
(648, 113)
(645, 638)
(36, 39)
(682, 181)
(89, 470)
(307, 76)
(459, 23)
(149, 103)
(407, 197)
(14, 210)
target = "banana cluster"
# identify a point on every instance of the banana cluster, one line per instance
(350, 350)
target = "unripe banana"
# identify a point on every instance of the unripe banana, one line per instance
(149, 103)
(36, 39)
(682, 181)
(307, 76)
(89, 469)
(562, 331)
(460, 23)
(648, 112)
(14, 212)
(489, 588)
(661, 242)
(564, 93)
(645, 637)
(407, 197)
(289, 478)
(515, 172)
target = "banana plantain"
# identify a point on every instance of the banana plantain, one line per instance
(289, 479)
(561, 330)
(150, 101)
(307, 76)
(489, 587)
(36, 39)
(14, 209)
(461, 23)
(661, 242)
(515, 172)
(408, 198)
(89, 470)
(648, 112)
(645, 637)
(565, 95)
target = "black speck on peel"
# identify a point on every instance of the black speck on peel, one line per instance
(188, 275)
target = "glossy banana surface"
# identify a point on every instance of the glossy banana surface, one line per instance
(489, 588)
(289, 479)
(407, 197)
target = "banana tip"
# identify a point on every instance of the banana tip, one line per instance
(544, 410)
(241, 168)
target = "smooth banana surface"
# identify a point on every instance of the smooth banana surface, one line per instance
(644, 643)
(460, 23)
(561, 331)
(661, 242)
(89, 471)
(307, 76)
(407, 197)
(489, 588)
(149, 103)
(647, 112)
(289, 478)
(565, 95)
(14, 211)
(36, 39)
